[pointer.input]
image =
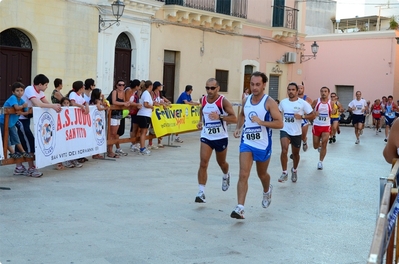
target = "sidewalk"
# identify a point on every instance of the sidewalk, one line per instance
(140, 209)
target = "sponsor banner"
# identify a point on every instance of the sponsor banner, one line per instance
(68, 135)
(175, 118)
(1, 147)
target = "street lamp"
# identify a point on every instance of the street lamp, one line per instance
(315, 49)
(117, 10)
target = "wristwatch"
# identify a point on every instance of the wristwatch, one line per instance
(303, 116)
(221, 117)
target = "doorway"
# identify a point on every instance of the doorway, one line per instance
(123, 59)
(169, 71)
(16, 61)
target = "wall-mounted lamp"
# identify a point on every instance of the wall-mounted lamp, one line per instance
(315, 49)
(117, 10)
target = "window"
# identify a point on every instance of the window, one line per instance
(222, 77)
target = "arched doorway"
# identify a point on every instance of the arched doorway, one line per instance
(123, 58)
(16, 61)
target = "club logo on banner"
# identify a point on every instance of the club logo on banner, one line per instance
(46, 134)
(68, 135)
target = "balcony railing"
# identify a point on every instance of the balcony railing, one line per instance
(284, 16)
(236, 8)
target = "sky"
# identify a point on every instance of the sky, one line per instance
(353, 8)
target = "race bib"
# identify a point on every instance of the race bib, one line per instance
(322, 117)
(213, 128)
(253, 133)
(289, 118)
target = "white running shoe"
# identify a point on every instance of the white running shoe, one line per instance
(294, 176)
(238, 213)
(267, 197)
(320, 165)
(200, 197)
(283, 177)
(305, 146)
(226, 182)
(134, 148)
(145, 152)
(357, 141)
(120, 152)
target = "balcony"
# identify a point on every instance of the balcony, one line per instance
(218, 14)
(285, 21)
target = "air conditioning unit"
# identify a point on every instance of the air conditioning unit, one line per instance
(290, 57)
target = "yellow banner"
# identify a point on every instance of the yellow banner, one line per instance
(175, 119)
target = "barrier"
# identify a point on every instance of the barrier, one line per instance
(386, 236)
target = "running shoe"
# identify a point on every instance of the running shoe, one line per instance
(69, 164)
(283, 177)
(178, 140)
(334, 139)
(379, 130)
(15, 155)
(145, 152)
(226, 182)
(330, 141)
(320, 165)
(152, 147)
(200, 197)
(305, 146)
(294, 176)
(319, 149)
(238, 213)
(385, 140)
(134, 148)
(120, 152)
(33, 172)
(357, 141)
(267, 197)
(21, 170)
(77, 164)
(291, 156)
(26, 155)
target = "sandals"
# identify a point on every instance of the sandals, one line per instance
(97, 156)
(112, 155)
(82, 160)
(59, 166)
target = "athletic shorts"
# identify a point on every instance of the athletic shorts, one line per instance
(358, 119)
(260, 155)
(389, 121)
(25, 135)
(143, 121)
(13, 138)
(115, 122)
(218, 145)
(318, 130)
(304, 122)
(332, 120)
(133, 120)
(295, 140)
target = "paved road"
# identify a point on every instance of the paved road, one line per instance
(140, 209)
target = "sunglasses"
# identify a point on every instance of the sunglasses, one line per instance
(210, 88)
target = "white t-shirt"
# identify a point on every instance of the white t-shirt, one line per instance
(31, 92)
(144, 111)
(292, 125)
(360, 106)
(87, 98)
(77, 98)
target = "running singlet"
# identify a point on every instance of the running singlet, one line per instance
(324, 110)
(213, 129)
(376, 111)
(389, 111)
(253, 134)
(336, 115)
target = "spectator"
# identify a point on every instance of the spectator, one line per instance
(245, 94)
(158, 101)
(185, 98)
(75, 96)
(97, 99)
(133, 93)
(34, 96)
(89, 86)
(144, 116)
(116, 97)
(56, 95)
(18, 104)
(391, 150)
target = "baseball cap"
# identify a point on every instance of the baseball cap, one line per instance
(156, 84)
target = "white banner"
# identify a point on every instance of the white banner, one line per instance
(68, 135)
(1, 147)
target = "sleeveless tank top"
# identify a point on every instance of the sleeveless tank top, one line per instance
(324, 110)
(376, 111)
(53, 99)
(253, 134)
(336, 115)
(213, 129)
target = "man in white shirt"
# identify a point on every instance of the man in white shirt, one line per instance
(294, 109)
(358, 106)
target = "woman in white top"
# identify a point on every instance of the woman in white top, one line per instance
(76, 98)
(144, 116)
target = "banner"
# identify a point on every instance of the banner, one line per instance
(1, 147)
(175, 118)
(68, 135)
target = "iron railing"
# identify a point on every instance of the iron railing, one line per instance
(284, 16)
(236, 8)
